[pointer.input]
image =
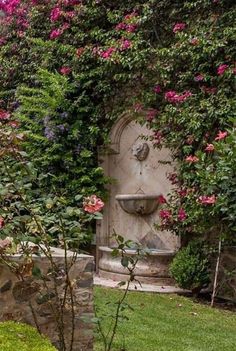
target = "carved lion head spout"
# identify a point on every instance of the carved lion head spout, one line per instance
(140, 151)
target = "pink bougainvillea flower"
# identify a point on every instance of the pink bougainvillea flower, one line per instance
(121, 26)
(199, 78)
(221, 69)
(221, 135)
(4, 115)
(162, 199)
(178, 27)
(182, 192)
(174, 98)
(93, 204)
(130, 28)
(207, 200)
(210, 148)
(107, 53)
(55, 33)
(192, 159)
(157, 89)
(1, 222)
(55, 14)
(65, 70)
(182, 215)
(125, 44)
(165, 214)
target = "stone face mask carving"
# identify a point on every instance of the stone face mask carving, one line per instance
(140, 151)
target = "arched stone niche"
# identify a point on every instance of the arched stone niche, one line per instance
(136, 168)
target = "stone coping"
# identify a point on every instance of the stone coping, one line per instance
(151, 252)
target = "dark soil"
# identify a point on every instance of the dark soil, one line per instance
(220, 303)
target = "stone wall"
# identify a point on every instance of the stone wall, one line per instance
(19, 298)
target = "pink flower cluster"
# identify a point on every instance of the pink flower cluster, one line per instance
(4, 115)
(165, 214)
(128, 24)
(174, 98)
(93, 204)
(65, 70)
(178, 27)
(207, 200)
(221, 135)
(107, 53)
(192, 159)
(182, 215)
(221, 69)
(55, 33)
(9, 6)
(55, 14)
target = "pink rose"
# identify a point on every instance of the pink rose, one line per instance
(178, 27)
(192, 159)
(93, 204)
(221, 135)
(210, 147)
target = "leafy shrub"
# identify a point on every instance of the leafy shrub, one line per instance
(17, 336)
(190, 267)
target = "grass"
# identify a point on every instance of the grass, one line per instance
(169, 323)
(21, 337)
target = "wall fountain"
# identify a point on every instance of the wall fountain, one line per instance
(139, 173)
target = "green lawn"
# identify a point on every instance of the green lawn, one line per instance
(170, 323)
(21, 337)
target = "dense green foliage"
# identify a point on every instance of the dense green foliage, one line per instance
(190, 267)
(164, 322)
(69, 68)
(16, 336)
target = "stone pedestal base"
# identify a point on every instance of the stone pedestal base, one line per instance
(154, 269)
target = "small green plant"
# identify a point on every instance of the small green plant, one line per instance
(117, 311)
(190, 267)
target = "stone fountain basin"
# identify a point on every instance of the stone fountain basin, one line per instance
(152, 269)
(139, 204)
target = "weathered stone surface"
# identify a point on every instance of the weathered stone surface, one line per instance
(18, 298)
(138, 168)
(6, 287)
